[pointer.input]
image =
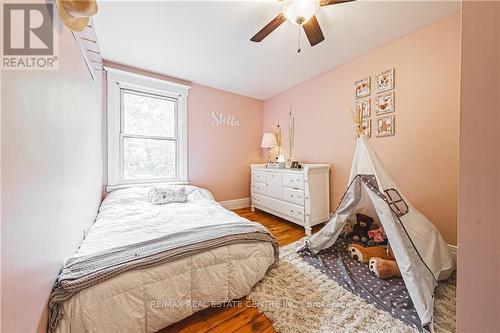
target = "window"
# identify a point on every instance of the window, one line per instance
(148, 136)
(397, 204)
(146, 130)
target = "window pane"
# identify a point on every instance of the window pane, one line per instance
(148, 115)
(148, 158)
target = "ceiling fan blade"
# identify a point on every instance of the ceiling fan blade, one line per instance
(313, 31)
(270, 27)
(333, 2)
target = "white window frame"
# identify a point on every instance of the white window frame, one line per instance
(118, 81)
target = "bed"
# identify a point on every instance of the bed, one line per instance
(152, 296)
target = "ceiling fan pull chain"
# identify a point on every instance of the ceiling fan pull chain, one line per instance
(299, 49)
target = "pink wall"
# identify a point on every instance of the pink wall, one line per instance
(51, 179)
(478, 294)
(423, 156)
(220, 156)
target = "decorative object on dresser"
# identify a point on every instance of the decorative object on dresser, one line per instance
(301, 196)
(277, 132)
(280, 161)
(269, 142)
(291, 137)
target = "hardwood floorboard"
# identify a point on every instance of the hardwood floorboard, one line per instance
(205, 320)
(245, 318)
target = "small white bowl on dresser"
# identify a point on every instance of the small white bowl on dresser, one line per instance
(301, 196)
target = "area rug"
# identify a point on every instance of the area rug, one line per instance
(297, 297)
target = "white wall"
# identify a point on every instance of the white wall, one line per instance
(51, 179)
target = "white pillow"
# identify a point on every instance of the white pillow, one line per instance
(160, 196)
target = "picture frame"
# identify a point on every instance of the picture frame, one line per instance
(367, 127)
(384, 81)
(385, 126)
(384, 103)
(364, 105)
(362, 88)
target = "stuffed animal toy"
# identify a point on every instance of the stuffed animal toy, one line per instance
(347, 230)
(360, 229)
(377, 236)
(363, 254)
(383, 268)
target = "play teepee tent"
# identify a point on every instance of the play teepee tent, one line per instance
(420, 251)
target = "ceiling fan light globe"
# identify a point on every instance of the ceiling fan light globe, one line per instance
(299, 12)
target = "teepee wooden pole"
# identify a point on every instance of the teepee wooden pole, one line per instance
(357, 118)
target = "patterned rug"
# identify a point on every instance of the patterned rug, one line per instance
(297, 297)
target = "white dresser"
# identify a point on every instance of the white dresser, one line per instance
(301, 196)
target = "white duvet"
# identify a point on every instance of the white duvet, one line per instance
(150, 299)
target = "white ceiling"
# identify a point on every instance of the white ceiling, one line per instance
(208, 42)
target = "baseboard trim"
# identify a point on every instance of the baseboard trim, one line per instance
(453, 251)
(236, 203)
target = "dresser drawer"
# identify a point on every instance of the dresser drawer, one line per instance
(293, 180)
(274, 183)
(259, 188)
(258, 176)
(296, 212)
(258, 200)
(284, 209)
(293, 196)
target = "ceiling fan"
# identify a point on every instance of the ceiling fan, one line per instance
(302, 14)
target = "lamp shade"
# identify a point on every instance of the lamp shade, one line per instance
(269, 140)
(298, 12)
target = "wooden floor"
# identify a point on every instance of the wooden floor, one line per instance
(243, 318)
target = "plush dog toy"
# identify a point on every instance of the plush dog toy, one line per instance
(360, 229)
(363, 254)
(384, 269)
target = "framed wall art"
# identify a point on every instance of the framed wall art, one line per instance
(364, 106)
(385, 81)
(384, 103)
(367, 127)
(362, 88)
(384, 126)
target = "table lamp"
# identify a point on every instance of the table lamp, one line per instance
(269, 141)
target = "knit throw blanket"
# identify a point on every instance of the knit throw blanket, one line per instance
(86, 271)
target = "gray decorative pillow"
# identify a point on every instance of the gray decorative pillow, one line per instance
(160, 196)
